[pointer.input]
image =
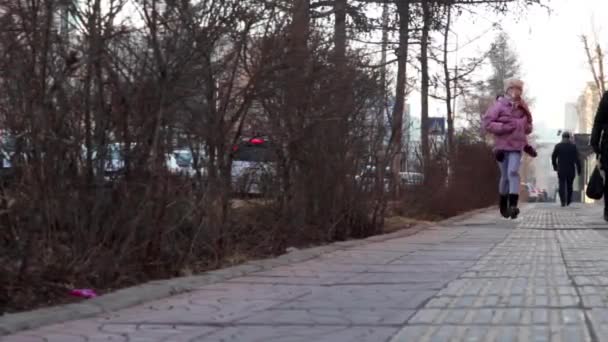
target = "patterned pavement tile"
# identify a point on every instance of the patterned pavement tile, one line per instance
(543, 277)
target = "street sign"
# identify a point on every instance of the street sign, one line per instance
(437, 126)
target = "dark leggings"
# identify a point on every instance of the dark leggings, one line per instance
(565, 188)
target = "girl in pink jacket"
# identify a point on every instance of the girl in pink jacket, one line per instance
(510, 122)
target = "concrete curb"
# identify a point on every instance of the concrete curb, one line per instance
(158, 289)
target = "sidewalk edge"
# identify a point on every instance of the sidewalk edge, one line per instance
(159, 289)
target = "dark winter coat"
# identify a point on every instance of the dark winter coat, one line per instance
(599, 133)
(565, 159)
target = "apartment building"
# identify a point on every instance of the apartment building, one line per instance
(586, 107)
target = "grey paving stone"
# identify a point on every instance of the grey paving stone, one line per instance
(373, 257)
(503, 301)
(300, 334)
(331, 316)
(598, 317)
(437, 278)
(114, 332)
(320, 280)
(483, 333)
(591, 280)
(361, 297)
(500, 316)
(551, 219)
(26, 320)
(508, 287)
(541, 278)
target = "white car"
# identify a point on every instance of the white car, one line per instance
(185, 162)
(253, 167)
(115, 162)
(411, 178)
(367, 178)
(171, 163)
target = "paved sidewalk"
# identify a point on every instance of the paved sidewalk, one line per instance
(541, 278)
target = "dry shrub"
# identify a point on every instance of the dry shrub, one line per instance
(107, 237)
(128, 233)
(183, 77)
(472, 184)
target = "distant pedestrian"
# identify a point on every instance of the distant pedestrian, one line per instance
(567, 164)
(599, 142)
(510, 122)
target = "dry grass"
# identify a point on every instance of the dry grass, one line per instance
(396, 223)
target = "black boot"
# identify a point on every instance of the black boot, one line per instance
(606, 214)
(504, 206)
(514, 210)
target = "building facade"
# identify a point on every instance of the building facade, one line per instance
(571, 121)
(586, 107)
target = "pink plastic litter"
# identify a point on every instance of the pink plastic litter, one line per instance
(83, 293)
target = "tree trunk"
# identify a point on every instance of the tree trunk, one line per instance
(403, 8)
(448, 84)
(379, 120)
(298, 66)
(596, 78)
(385, 22)
(424, 88)
(600, 64)
(336, 160)
(340, 33)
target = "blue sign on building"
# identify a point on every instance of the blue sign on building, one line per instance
(436, 126)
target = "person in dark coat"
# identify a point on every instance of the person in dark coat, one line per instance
(567, 164)
(599, 142)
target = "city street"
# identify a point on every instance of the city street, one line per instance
(543, 277)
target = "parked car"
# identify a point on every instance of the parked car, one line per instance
(529, 192)
(185, 162)
(115, 160)
(7, 150)
(544, 196)
(407, 178)
(411, 178)
(253, 167)
(366, 178)
(171, 163)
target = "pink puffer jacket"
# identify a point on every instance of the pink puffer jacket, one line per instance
(510, 123)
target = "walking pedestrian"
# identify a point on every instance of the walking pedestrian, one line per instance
(567, 164)
(599, 142)
(510, 122)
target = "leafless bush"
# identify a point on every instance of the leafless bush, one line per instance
(95, 100)
(195, 77)
(471, 184)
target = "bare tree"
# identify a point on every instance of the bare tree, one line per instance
(94, 108)
(595, 60)
(427, 20)
(403, 10)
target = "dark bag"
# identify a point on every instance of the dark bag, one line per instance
(595, 187)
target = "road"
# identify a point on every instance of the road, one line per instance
(543, 277)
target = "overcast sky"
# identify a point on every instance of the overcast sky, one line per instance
(550, 49)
